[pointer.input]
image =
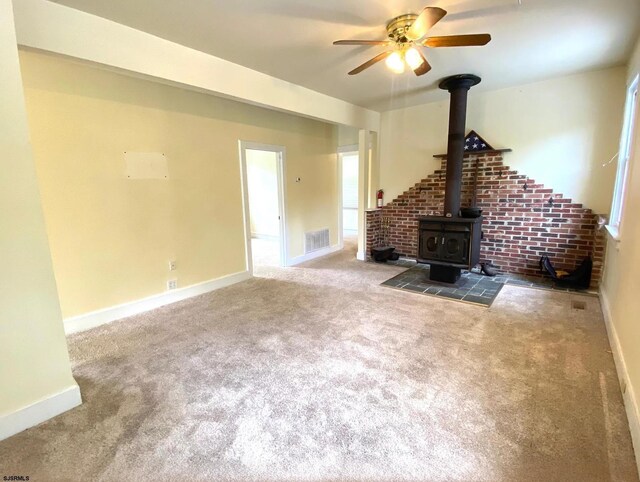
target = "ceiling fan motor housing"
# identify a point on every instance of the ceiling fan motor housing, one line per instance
(398, 27)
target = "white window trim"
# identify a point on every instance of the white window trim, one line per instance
(613, 231)
(627, 147)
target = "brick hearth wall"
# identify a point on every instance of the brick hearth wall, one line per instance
(519, 225)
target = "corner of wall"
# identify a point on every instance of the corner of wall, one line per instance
(40, 411)
(30, 312)
(628, 390)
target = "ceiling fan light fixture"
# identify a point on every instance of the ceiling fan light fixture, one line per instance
(413, 58)
(406, 35)
(395, 62)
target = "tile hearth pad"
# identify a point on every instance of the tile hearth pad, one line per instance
(473, 287)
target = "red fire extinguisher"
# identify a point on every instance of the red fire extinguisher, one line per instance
(379, 197)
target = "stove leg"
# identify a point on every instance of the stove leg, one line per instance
(444, 274)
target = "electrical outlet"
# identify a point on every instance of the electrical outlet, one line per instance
(172, 265)
(172, 284)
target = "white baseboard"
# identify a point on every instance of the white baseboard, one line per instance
(100, 317)
(314, 254)
(361, 256)
(39, 412)
(629, 396)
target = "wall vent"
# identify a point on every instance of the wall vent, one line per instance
(316, 240)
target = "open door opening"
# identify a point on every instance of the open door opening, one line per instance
(262, 168)
(349, 175)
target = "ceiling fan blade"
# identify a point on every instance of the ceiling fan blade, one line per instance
(361, 42)
(457, 40)
(427, 19)
(424, 66)
(370, 62)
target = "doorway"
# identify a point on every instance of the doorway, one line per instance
(263, 194)
(349, 189)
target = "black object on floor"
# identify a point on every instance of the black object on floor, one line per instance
(488, 269)
(580, 278)
(382, 254)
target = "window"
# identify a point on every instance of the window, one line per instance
(626, 150)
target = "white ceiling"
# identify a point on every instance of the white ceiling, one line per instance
(292, 39)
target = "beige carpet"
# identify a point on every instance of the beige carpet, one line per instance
(319, 373)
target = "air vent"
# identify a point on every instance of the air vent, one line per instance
(316, 240)
(578, 305)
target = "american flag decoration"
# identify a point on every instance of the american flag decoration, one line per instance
(474, 143)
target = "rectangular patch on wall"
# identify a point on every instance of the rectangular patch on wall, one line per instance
(146, 165)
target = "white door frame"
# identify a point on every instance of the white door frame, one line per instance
(280, 162)
(342, 150)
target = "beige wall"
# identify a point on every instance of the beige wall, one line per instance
(561, 131)
(51, 27)
(347, 136)
(111, 238)
(35, 364)
(620, 288)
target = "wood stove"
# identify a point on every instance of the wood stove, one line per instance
(451, 243)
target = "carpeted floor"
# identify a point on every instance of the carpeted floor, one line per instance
(319, 373)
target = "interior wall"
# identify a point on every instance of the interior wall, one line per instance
(35, 363)
(52, 27)
(262, 183)
(347, 136)
(112, 238)
(561, 131)
(621, 285)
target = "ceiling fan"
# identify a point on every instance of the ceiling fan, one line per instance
(406, 36)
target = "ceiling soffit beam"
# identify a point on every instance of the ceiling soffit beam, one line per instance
(62, 30)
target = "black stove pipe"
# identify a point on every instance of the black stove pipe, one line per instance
(458, 86)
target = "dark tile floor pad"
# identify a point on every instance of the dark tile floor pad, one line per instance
(471, 288)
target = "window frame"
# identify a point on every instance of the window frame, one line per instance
(627, 147)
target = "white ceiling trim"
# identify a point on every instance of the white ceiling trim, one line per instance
(56, 28)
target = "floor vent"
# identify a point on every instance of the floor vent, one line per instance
(578, 305)
(316, 240)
